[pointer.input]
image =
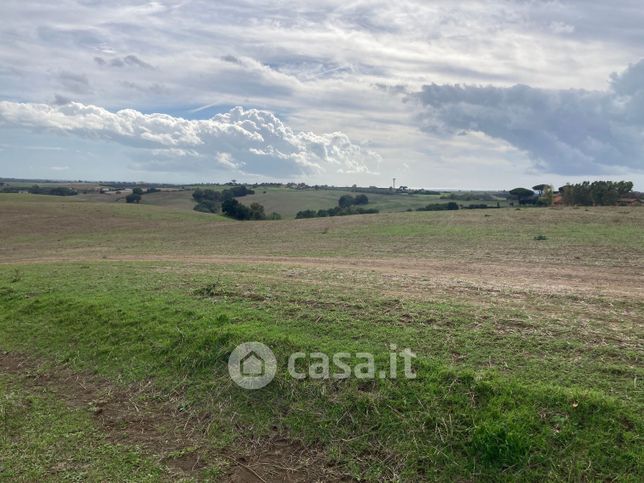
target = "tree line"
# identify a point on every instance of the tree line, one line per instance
(347, 205)
(597, 193)
(42, 190)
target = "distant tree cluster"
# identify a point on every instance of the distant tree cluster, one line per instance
(597, 193)
(359, 189)
(347, 205)
(210, 201)
(347, 200)
(481, 206)
(468, 196)
(452, 205)
(137, 194)
(42, 190)
(234, 209)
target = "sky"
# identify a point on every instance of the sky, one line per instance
(438, 94)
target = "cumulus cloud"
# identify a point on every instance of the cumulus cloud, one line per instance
(250, 141)
(563, 131)
(327, 64)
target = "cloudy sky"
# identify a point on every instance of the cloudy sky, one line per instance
(438, 94)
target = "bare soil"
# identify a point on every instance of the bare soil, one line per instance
(136, 415)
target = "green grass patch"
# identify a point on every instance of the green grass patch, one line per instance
(42, 440)
(528, 403)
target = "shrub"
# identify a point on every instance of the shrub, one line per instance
(452, 205)
(133, 198)
(361, 200)
(207, 206)
(305, 214)
(256, 212)
(345, 201)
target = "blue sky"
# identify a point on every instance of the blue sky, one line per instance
(437, 94)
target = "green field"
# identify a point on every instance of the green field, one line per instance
(529, 350)
(285, 201)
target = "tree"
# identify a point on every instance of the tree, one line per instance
(238, 211)
(257, 212)
(305, 214)
(133, 198)
(548, 196)
(522, 194)
(541, 188)
(361, 200)
(345, 201)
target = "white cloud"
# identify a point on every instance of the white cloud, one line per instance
(318, 63)
(250, 141)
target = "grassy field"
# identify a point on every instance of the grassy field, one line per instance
(285, 201)
(288, 202)
(529, 351)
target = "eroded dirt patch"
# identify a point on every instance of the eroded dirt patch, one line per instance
(136, 415)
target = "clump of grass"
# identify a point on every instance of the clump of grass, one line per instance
(540, 237)
(16, 277)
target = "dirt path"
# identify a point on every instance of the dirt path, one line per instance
(555, 279)
(138, 416)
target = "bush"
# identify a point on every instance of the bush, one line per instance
(452, 205)
(361, 200)
(480, 206)
(335, 211)
(207, 206)
(256, 212)
(133, 198)
(234, 209)
(345, 201)
(306, 214)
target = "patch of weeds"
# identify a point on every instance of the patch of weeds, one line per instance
(16, 277)
(540, 237)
